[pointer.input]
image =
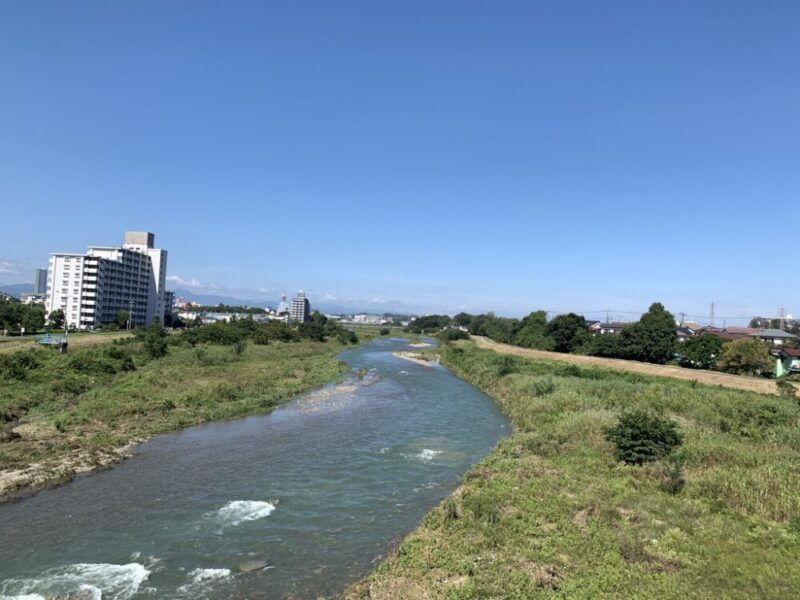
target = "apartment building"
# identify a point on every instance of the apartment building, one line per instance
(300, 309)
(92, 288)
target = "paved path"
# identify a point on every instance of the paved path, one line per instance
(751, 384)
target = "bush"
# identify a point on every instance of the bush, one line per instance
(154, 342)
(786, 389)
(18, 365)
(451, 334)
(673, 480)
(385, 331)
(641, 437)
(109, 360)
(346, 336)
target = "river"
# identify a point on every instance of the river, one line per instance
(307, 499)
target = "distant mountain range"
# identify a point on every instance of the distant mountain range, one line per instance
(16, 289)
(326, 307)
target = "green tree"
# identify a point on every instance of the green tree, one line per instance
(568, 332)
(746, 356)
(429, 324)
(56, 318)
(33, 318)
(121, 318)
(608, 345)
(533, 332)
(462, 319)
(653, 338)
(700, 351)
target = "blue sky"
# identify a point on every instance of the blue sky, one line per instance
(438, 156)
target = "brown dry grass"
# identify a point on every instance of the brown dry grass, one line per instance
(751, 384)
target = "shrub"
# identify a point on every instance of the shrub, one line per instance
(385, 331)
(18, 365)
(451, 334)
(239, 347)
(786, 389)
(346, 336)
(641, 437)
(673, 480)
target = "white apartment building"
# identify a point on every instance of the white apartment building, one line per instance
(91, 288)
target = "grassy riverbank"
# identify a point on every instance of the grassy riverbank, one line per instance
(551, 513)
(76, 412)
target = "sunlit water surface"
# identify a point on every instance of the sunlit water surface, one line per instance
(307, 499)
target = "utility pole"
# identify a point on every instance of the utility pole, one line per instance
(712, 314)
(783, 313)
(683, 318)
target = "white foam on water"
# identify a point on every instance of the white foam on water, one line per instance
(240, 511)
(94, 580)
(201, 575)
(427, 455)
(24, 597)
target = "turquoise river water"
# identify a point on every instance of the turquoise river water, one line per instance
(295, 504)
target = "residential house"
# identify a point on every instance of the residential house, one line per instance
(787, 361)
(608, 328)
(776, 337)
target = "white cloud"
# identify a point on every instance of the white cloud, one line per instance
(330, 297)
(178, 280)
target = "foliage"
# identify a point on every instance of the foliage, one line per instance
(384, 331)
(606, 345)
(18, 365)
(787, 389)
(452, 334)
(533, 332)
(107, 360)
(700, 351)
(499, 329)
(428, 324)
(56, 318)
(153, 338)
(121, 319)
(568, 332)
(641, 436)
(15, 316)
(462, 319)
(653, 338)
(746, 356)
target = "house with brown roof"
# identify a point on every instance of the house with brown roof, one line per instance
(787, 361)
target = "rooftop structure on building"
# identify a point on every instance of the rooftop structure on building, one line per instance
(92, 288)
(300, 309)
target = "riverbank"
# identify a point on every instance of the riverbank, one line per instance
(418, 358)
(551, 513)
(79, 413)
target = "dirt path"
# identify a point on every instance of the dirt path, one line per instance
(751, 384)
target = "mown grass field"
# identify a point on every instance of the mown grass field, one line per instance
(552, 514)
(72, 412)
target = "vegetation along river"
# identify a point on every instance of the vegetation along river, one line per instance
(298, 503)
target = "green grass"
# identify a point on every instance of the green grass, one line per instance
(63, 411)
(552, 514)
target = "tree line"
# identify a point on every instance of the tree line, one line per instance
(653, 339)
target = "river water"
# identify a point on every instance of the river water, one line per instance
(307, 498)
